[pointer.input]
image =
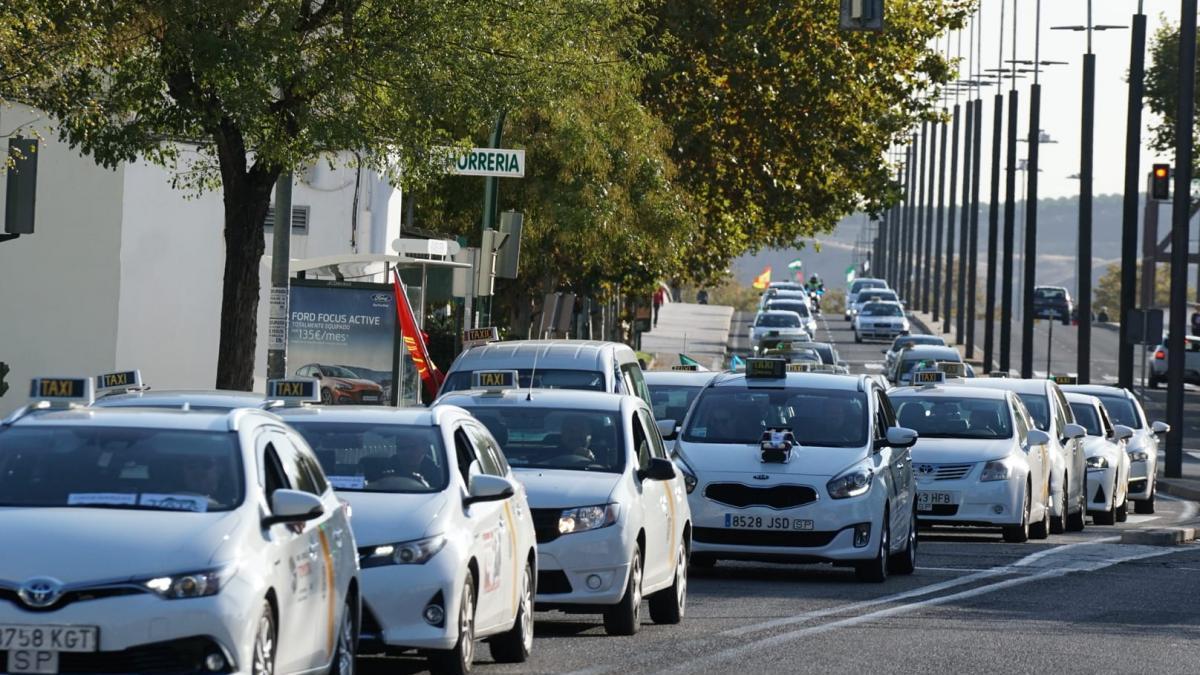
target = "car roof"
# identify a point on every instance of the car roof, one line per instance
(412, 416)
(550, 354)
(541, 398)
(955, 392)
(893, 303)
(199, 398)
(777, 312)
(922, 339)
(142, 418)
(1012, 384)
(1076, 397)
(931, 352)
(681, 377)
(1096, 390)
(798, 380)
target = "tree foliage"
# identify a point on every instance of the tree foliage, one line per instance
(1162, 94)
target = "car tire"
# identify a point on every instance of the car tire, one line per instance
(1059, 525)
(516, 644)
(1123, 511)
(265, 636)
(905, 562)
(625, 618)
(1076, 521)
(1105, 517)
(326, 397)
(1146, 506)
(1041, 529)
(343, 655)
(458, 661)
(669, 605)
(1154, 382)
(1019, 534)
(875, 570)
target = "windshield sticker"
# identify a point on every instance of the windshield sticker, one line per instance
(175, 502)
(113, 498)
(348, 482)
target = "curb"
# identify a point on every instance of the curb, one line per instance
(1166, 536)
(1179, 489)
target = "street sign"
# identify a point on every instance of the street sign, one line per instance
(1144, 326)
(501, 162)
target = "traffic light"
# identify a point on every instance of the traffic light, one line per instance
(3, 374)
(1160, 182)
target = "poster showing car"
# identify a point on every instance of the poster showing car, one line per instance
(345, 336)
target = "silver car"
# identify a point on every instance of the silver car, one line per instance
(779, 324)
(1191, 362)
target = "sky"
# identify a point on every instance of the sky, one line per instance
(1062, 85)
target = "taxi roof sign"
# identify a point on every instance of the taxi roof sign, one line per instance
(294, 390)
(998, 373)
(765, 369)
(474, 337)
(495, 380)
(799, 367)
(928, 377)
(63, 391)
(689, 367)
(952, 368)
(1065, 379)
(126, 379)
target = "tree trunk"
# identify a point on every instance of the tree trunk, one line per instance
(247, 196)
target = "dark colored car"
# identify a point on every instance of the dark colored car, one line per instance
(1053, 302)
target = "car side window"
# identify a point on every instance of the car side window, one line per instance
(490, 459)
(642, 443)
(1019, 422)
(465, 455)
(637, 382)
(656, 444)
(273, 476)
(1106, 422)
(308, 460)
(880, 419)
(294, 466)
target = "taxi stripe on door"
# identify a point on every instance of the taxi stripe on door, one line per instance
(332, 590)
(512, 539)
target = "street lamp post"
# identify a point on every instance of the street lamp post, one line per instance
(976, 157)
(1129, 219)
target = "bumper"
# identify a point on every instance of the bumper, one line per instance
(1101, 485)
(1140, 484)
(395, 596)
(348, 397)
(144, 633)
(994, 503)
(881, 332)
(568, 563)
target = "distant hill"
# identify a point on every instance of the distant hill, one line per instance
(1058, 228)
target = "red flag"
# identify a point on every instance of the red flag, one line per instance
(414, 340)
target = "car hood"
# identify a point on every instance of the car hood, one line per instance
(880, 319)
(561, 488)
(356, 381)
(792, 330)
(76, 545)
(1096, 446)
(959, 450)
(386, 518)
(709, 458)
(1142, 439)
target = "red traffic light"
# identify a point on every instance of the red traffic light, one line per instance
(1160, 182)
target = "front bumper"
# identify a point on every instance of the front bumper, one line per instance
(876, 331)
(395, 596)
(991, 504)
(567, 564)
(1101, 485)
(1141, 483)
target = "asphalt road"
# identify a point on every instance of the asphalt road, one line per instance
(1074, 603)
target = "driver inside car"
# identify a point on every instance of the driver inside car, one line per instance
(575, 437)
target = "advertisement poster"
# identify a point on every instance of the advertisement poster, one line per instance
(344, 334)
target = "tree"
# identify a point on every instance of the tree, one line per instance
(1162, 93)
(781, 121)
(1108, 290)
(263, 86)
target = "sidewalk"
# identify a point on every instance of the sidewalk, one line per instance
(700, 331)
(1187, 487)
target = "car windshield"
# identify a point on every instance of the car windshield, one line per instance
(859, 286)
(362, 457)
(789, 306)
(338, 371)
(946, 417)
(778, 320)
(554, 438)
(903, 340)
(1121, 411)
(544, 378)
(881, 309)
(1039, 409)
(671, 401)
(825, 351)
(817, 417)
(120, 468)
(1085, 416)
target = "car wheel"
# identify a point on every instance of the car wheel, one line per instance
(326, 397)
(905, 562)
(343, 655)
(1154, 382)
(626, 617)
(516, 645)
(1075, 521)
(1041, 529)
(875, 570)
(264, 643)
(668, 605)
(1146, 506)
(1059, 525)
(458, 661)
(1019, 534)
(1123, 511)
(1105, 517)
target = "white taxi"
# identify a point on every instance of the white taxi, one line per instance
(610, 510)
(979, 461)
(1107, 461)
(445, 537)
(195, 542)
(801, 467)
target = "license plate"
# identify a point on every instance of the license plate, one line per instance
(927, 500)
(766, 522)
(370, 398)
(30, 661)
(48, 638)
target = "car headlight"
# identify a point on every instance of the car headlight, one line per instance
(343, 386)
(997, 469)
(587, 518)
(191, 584)
(1139, 456)
(414, 552)
(853, 482)
(1096, 462)
(689, 477)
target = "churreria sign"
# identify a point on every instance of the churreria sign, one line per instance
(500, 162)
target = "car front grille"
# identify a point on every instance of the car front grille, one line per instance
(545, 524)
(717, 535)
(160, 658)
(940, 510)
(775, 497)
(72, 596)
(952, 471)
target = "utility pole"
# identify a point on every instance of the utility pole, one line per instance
(1031, 200)
(948, 293)
(1181, 215)
(1010, 214)
(913, 291)
(1129, 225)
(941, 217)
(281, 244)
(927, 258)
(973, 253)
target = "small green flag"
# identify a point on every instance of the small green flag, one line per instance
(685, 360)
(796, 264)
(850, 274)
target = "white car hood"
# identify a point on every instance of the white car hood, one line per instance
(76, 545)
(384, 518)
(1094, 446)
(959, 450)
(709, 458)
(561, 488)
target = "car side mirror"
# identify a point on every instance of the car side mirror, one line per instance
(1122, 432)
(1160, 428)
(1036, 437)
(485, 488)
(1073, 431)
(293, 506)
(844, 364)
(897, 437)
(883, 351)
(667, 429)
(659, 469)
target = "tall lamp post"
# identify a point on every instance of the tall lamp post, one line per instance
(1129, 218)
(1087, 140)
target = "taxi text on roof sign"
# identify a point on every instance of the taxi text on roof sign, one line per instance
(765, 368)
(929, 377)
(473, 337)
(127, 378)
(690, 367)
(496, 379)
(501, 162)
(1065, 379)
(62, 389)
(303, 389)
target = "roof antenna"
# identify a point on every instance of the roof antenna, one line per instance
(532, 374)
